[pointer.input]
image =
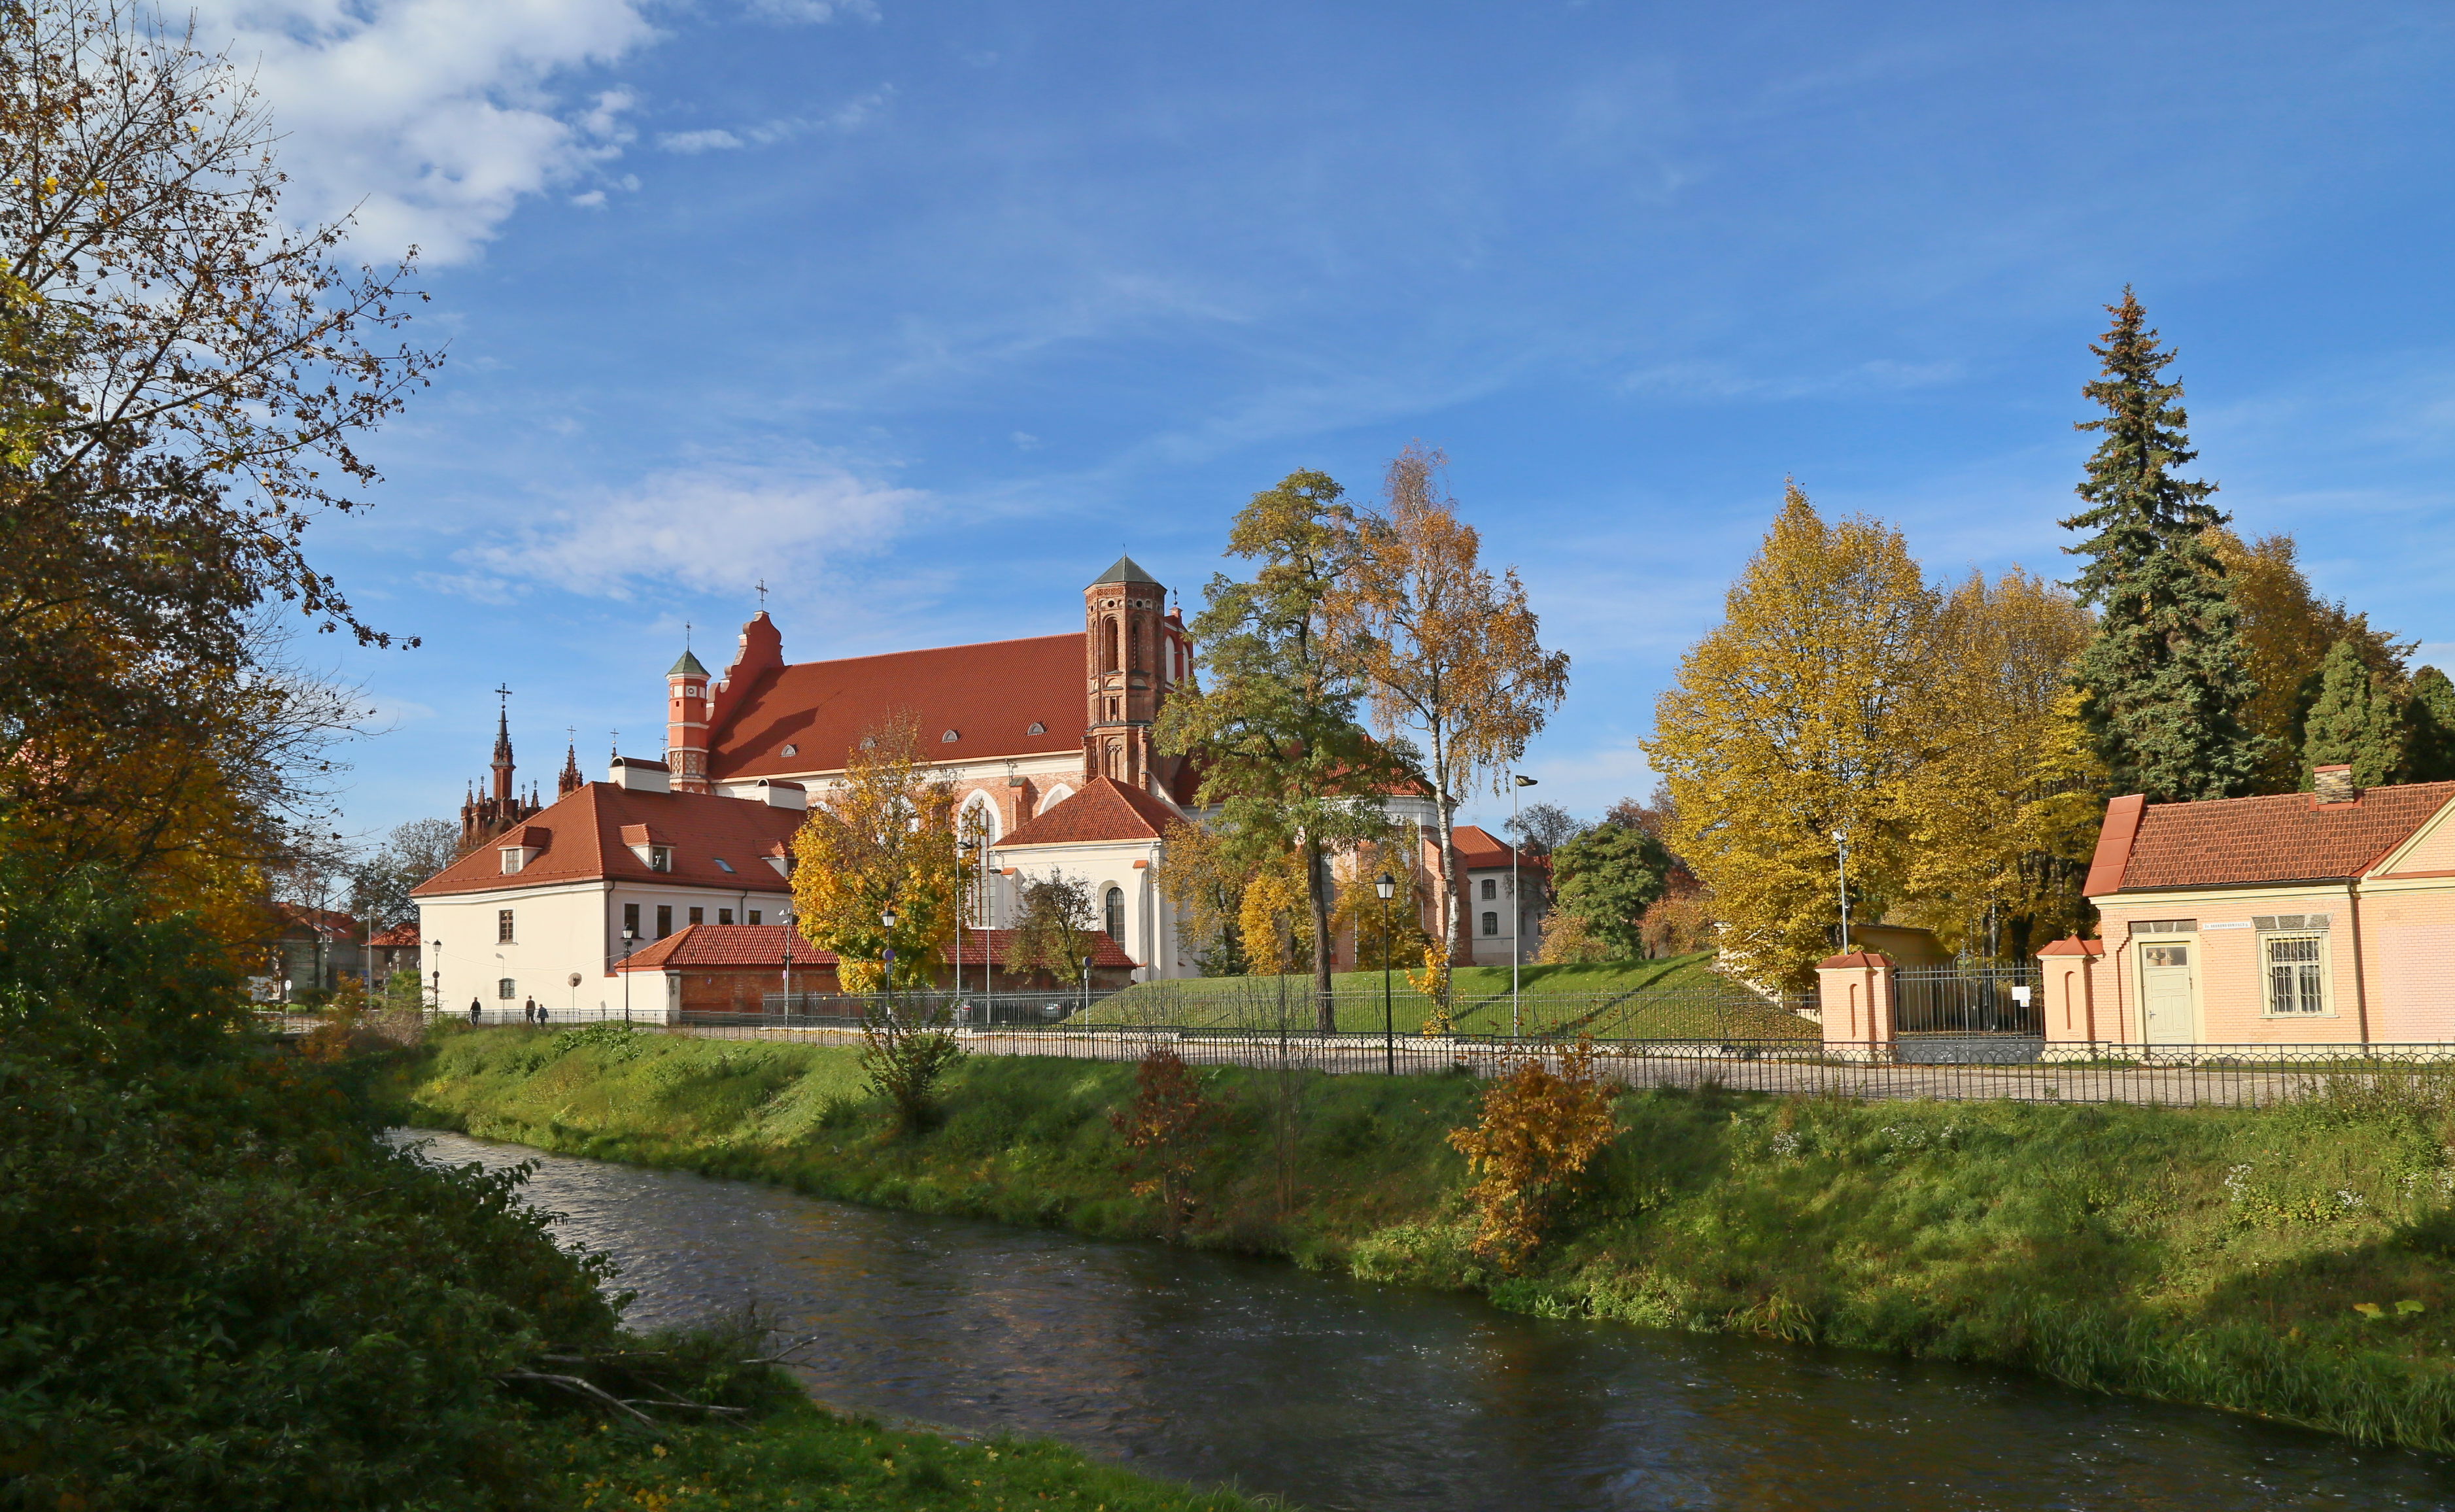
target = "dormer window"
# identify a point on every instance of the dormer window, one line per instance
(792, 751)
(1037, 728)
(949, 738)
(513, 859)
(661, 858)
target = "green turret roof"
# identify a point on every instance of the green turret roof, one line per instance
(687, 667)
(1126, 570)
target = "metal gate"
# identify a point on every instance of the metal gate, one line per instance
(1965, 1000)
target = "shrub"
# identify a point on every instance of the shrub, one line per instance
(903, 1057)
(1540, 1129)
(1167, 1126)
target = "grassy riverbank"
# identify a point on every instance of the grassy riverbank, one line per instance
(810, 1458)
(1548, 996)
(2294, 1262)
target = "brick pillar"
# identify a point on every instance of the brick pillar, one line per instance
(2069, 982)
(1856, 993)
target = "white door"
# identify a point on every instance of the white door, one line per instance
(2165, 990)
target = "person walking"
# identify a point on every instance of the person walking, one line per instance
(530, 1011)
(473, 1009)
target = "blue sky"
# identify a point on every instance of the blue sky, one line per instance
(922, 312)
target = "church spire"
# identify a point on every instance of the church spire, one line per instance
(503, 745)
(570, 782)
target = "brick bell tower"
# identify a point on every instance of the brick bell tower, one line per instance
(686, 724)
(1133, 653)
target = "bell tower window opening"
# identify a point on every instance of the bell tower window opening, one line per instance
(1109, 643)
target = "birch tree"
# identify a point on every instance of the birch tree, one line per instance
(1449, 652)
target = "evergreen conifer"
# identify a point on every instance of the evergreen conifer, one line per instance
(2431, 719)
(2165, 674)
(2355, 721)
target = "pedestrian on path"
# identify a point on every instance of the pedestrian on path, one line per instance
(530, 1011)
(473, 1011)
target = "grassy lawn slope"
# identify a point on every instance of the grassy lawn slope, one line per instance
(2292, 1263)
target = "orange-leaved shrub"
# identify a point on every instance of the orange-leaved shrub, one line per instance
(1168, 1128)
(1542, 1125)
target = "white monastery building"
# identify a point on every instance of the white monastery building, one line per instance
(1047, 742)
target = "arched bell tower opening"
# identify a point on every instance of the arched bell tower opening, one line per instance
(1126, 624)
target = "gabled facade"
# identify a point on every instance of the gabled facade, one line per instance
(2326, 916)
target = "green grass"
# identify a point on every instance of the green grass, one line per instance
(2215, 1256)
(1548, 997)
(809, 1458)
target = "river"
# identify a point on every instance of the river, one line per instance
(1338, 1395)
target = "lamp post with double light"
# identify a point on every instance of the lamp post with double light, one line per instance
(1517, 902)
(630, 939)
(1384, 886)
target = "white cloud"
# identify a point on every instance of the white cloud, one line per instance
(814, 11)
(719, 528)
(432, 119)
(708, 141)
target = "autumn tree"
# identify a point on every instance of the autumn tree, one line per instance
(2287, 629)
(380, 882)
(1393, 935)
(1204, 870)
(1273, 726)
(2003, 812)
(2167, 673)
(183, 379)
(1805, 712)
(2358, 720)
(883, 838)
(1448, 651)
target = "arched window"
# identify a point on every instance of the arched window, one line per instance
(1116, 911)
(1107, 645)
(979, 804)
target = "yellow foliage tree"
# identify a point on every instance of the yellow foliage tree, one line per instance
(2287, 629)
(884, 837)
(1807, 711)
(2001, 814)
(1270, 922)
(1541, 1127)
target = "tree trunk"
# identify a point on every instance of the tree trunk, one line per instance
(1317, 886)
(1453, 930)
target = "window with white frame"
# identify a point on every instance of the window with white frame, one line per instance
(505, 990)
(511, 860)
(502, 926)
(2293, 963)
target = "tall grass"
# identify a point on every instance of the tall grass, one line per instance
(2293, 1262)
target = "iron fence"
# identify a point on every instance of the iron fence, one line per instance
(1968, 1000)
(2194, 1076)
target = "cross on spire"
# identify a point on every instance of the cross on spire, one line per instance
(502, 698)
(763, 595)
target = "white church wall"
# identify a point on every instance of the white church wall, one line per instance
(1128, 867)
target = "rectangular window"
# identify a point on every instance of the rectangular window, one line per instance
(2297, 972)
(503, 927)
(1491, 891)
(664, 920)
(505, 990)
(724, 915)
(661, 858)
(754, 915)
(511, 862)
(631, 920)
(1492, 924)
(698, 915)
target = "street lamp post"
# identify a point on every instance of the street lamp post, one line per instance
(886, 917)
(788, 968)
(1384, 886)
(630, 938)
(1841, 849)
(1517, 904)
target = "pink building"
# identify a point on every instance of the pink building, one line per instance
(2321, 917)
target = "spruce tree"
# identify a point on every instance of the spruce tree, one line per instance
(2165, 673)
(2431, 719)
(2355, 721)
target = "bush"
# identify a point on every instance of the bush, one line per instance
(217, 1287)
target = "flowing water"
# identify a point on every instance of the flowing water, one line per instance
(1337, 1395)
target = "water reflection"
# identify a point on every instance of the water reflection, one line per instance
(1341, 1396)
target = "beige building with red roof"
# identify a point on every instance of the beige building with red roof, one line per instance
(2325, 916)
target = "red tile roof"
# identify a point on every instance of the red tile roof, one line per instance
(761, 947)
(399, 935)
(583, 835)
(1479, 850)
(1104, 810)
(2237, 842)
(989, 695)
(326, 922)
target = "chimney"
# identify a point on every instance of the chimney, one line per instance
(2333, 784)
